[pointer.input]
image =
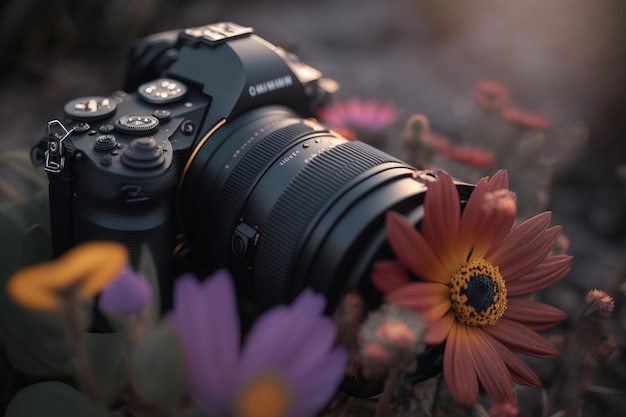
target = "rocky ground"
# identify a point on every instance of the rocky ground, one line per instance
(563, 58)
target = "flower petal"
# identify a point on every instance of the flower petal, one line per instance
(499, 181)
(470, 233)
(421, 296)
(490, 368)
(412, 250)
(279, 336)
(520, 372)
(440, 226)
(89, 267)
(549, 271)
(438, 330)
(206, 319)
(128, 294)
(318, 386)
(532, 314)
(521, 339)
(525, 247)
(478, 231)
(388, 275)
(458, 368)
(297, 342)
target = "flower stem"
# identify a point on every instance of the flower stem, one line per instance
(71, 316)
(390, 384)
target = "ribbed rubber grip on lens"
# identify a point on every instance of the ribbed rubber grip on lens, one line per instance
(236, 188)
(296, 209)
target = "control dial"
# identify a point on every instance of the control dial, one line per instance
(136, 124)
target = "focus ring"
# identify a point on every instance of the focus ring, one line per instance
(314, 186)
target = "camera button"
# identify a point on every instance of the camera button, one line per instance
(106, 128)
(81, 127)
(106, 160)
(187, 127)
(105, 142)
(243, 241)
(162, 115)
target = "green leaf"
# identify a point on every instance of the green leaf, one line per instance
(53, 399)
(106, 358)
(147, 269)
(36, 247)
(15, 220)
(35, 341)
(157, 365)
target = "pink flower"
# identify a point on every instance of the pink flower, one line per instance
(472, 266)
(355, 113)
(490, 95)
(469, 155)
(525, 119)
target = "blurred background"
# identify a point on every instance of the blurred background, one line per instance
(565, 59)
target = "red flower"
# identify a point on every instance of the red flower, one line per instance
(470, 265)
(523, 118)
(490, 95)
(469, 155)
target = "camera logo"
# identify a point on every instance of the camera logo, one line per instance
(270, 85)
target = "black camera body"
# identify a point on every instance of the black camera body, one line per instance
(214, 159)
(114, 172)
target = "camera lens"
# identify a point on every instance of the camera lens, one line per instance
(286, 204)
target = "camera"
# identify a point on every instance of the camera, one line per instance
(212, 157)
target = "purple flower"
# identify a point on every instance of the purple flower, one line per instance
(127, 294)
(289, 365)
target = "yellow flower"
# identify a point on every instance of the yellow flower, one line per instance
(84, 270)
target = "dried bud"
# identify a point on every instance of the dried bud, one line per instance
(390, 335)
(598, 305)
(561, 246)
(504, 409)
(500, 201)
(375, 359)
(348, 317)
(416, 125)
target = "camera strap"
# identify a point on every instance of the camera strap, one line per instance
(60, 188)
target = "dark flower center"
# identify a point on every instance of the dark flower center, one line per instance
(478, 293)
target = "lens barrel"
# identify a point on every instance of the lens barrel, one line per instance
(286, 204)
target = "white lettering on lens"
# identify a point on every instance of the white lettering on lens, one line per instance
(270, 85)
(288, 158)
